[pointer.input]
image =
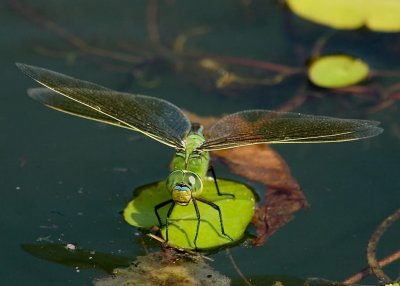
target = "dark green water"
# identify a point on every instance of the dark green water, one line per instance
(64, 179)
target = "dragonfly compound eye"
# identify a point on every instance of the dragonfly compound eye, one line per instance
(183, 185)
(193, 180)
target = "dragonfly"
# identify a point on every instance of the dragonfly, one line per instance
(166, 123)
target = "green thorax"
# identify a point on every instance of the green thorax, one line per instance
(190, 159)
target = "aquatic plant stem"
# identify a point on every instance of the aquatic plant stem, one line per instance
(236, 267)
(74, 40)
(367, 271)
(371, 253)
(373, 243)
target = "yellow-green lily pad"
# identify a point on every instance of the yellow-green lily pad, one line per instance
(336, 71)
(236, 213)
(377, 15)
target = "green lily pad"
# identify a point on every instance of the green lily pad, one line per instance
(336, 71)
(236, 214)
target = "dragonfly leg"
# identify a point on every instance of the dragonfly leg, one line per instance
(211, 168)
(196, 208)
(167, 220)
(216, 207)
(160, 205)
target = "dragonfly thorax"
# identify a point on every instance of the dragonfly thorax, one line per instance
(190, 157)
(184, 185)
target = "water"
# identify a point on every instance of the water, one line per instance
(64, 179)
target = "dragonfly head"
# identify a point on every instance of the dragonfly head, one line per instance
(183, 185)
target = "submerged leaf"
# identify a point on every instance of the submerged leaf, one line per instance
(236, 214)
(279, 280)
(336, 71)
(78, 257)
(377, 15)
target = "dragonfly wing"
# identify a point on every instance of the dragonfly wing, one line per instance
(61, 103)
(152, 116)
(264, 126)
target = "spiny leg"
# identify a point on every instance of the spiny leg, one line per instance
(216, 207)
(198, 222)
(211, 168)
(160, 205)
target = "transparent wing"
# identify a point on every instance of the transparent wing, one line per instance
(264, 126)
(61, 103)
(152, 116)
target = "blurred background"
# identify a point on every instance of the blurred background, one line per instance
(64, 179)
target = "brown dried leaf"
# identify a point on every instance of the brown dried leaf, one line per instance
(260, 163)
(283, 196)
(207, 122)
(279, 209)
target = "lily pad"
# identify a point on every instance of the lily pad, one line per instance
(377, 15)
(236, 214)
(336, 71)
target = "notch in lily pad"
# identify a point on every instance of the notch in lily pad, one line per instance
(236, 213)
(336, 71)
